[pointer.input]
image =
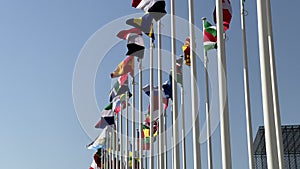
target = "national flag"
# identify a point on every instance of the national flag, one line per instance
(227, 14)
(97, 158)
(99, 142)
(93, 165)
(119, 101)
(186, 52)
(143, 23)
(107, 118)
(135, 42)
(120, 87)
(209, 36)
(156, 8)
(135, 3)
(126, 66)
(243, 1)
(155, 114)
(167, 89)
(179, 70)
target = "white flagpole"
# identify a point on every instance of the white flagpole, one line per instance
(121, 136)
(165, 140)
(176, 160)
(194, 91)
(275, 88)
(126, 133)
(208, 133)
(117, 141)
(223, 97)
(151, 160)
(247, 90)
(269, 122)
(140, 113)
(106, 153)
(161, 122)
(110, 150)
(133, 123)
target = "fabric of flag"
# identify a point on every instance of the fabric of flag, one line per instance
(155, 114)
(119, 101)
(135, 42)
(120, 87)
(243, 1)
(143, 23)
(186, 52)
(209, 36)
(179, 70)
(107, 118)
(167, 88)
(156, 8)
(126, 66)
(227, 14)
(100, 140)
(135, 3)
(93, 165)
(97, 159)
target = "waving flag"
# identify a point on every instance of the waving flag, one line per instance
(93, 165)
(227, 14)
(107, 117)
(179, 70)
(186, 51)
(155, 7)
(126, 66)
(135, 3)
(119, 101)
(144, 24)
(155, 114)
(167, 88)
(100, 140)
(120, 87)
(209, 36)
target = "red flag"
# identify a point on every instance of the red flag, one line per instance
(226, 14)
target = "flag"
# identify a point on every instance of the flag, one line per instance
(209, 36)
(120, 87)
(97, 158)
(146, 132)
(107, 118)
(156, 8)
(243, 1)
(143, 23)
(126, 66)
(167, 88)
(93, 165)
(135, 45)
(99, 142)
(186, 51)
(119, 101)
(227, 14)
(155, 114)
(135, 42)
(179, 70)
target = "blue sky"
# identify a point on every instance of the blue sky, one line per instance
(41, 41)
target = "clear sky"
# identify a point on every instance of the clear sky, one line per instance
(40, 42)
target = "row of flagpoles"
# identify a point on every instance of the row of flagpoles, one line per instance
(109, 145)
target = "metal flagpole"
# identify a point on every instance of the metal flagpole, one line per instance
(161, 122)
(106, 152)
(110, 150)
(247, 90)
(126, 133)
(140, 113)
(165, 140)
(133, 123)
(151, 160)
(223, 97)
(194, 92)
(208, 133)
(274, 87)
(117, 142)
(121, 135)
(269, 122)
(176, 160)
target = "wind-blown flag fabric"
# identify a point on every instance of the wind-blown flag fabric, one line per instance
(135, 42)
(120, 101)
(209, 36)
(156, 8)
(179, 62)
(135, 3)
(107, 118)
(227, 14)
(120, 87)
(100, 140)
(186, 52)
(167, 89)
(126, 66)
(93, 165)
(143, 23)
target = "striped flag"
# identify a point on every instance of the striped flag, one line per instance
(209, 36)
(186, 52)
(227, 14)
(126, 66)
(120, 87)
(143, 23)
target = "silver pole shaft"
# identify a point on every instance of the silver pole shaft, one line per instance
(121, 138)
(175, 145)
(223, 97)
(126, 133)
(194, 91)
(247, 90)
(110, 151)
(117, 143)
(133, 123)
(269, 122)
(151, 158)
(106, 152)
(140, 113)
(275, 88)
(161, 122)
(183, 144)
(165, 140)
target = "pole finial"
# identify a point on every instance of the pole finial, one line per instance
(203, 18)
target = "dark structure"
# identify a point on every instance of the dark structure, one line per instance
(291, 144)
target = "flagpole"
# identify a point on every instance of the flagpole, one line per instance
(269, 122)
(106, 153)
(275, 88)
(151, 160)
(165, 140)
(126, 132)
(133, 123)
(160, 125)
(223, 97)
(110, 150)
(116, 141)
(102, 158)
(121, 139)
(208, 133)
(247, 90)
(194, 92)
(140, 113)
(176, 160)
